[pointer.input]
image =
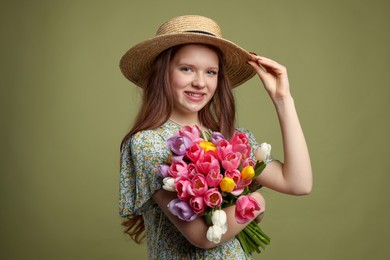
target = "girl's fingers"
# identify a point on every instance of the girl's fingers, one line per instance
(270, 65)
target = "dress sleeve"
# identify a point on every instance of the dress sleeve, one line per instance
(140, 156)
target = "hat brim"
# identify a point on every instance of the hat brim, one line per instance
(137, 61)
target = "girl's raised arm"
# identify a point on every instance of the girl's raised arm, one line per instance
(294, 176)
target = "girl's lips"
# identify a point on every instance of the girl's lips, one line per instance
(193, 96)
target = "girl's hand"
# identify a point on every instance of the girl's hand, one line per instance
(273, 75)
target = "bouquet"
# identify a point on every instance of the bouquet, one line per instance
(209, 173)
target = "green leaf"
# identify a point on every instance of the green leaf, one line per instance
(208, 216)
(259, 167)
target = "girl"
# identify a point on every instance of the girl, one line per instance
(187, 72)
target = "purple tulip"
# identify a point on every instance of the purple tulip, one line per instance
(216, 137)
(179, 144)
(182, 210)
(162, 170)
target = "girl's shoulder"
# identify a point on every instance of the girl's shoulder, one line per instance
(151, 137)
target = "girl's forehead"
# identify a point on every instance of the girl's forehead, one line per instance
(196, 52)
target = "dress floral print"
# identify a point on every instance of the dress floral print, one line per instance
(140, 156)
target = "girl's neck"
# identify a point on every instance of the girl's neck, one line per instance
(185, 120)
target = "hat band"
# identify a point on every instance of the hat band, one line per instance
(203, 32)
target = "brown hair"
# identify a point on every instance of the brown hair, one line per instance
(157, 105)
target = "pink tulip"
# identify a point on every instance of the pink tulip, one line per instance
(198, 185)
(231, 161)
(214, 177)
(178, 169)
(213, 198)
(223, 148)
(239, 138)
(195, 152)
(197, 204)
(193, 133)
(206, 163)
(240, 144)
(245, 209)
(248, 162)
(192, 170)
(234, 174)
(181, 187)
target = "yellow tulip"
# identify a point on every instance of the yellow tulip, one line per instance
(227, 184)
(207, 146)
(248, 172)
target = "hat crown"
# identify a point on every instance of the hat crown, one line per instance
(190, 24)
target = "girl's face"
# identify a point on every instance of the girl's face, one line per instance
(193, 73)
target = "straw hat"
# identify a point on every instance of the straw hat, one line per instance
(136, 63)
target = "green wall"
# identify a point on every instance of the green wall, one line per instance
(65, 106)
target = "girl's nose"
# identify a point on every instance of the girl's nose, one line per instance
(199, 81)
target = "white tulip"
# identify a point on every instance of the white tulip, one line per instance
(169, 184)
(214, 234)
(263, 152)
(219, 218)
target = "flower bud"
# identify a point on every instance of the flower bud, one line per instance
(248, 172)
(207, 146)
(263, 152)
(227, 184)
(214, 234)
(169, 184)
(219, 218)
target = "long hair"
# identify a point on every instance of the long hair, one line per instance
(157, 106)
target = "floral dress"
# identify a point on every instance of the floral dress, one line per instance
(140, 156)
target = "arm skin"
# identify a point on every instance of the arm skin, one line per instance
(295, 175)
(195, 231)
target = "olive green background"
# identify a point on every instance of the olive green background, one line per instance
(65, 107)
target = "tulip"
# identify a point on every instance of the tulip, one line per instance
(245, 208)
(193, 133)
(213, 198)
(263, 152)
(207, 163)
(182, 210)
(195, 152)
(239, 138)
(214, 177)
(181, 186)
(231, 161)
(162, 170)
(227, 184)
(169, 184)
(198, 185)
(248, 172)
(248, 161)
(219, 218)
(178, 169)
(216, 137)
(192, 170)
(208, 146)
(178, 144)
(224, 148)
(240, 144)
(214, 234)
(198, 204)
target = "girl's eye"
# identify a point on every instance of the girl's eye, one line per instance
(186, 69)
(212, 72)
